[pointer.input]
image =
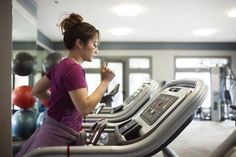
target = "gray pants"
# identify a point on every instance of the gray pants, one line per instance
(52, 133)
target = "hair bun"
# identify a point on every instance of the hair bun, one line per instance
(70, 22)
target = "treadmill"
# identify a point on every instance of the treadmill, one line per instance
(133, 99)
(130, 106)
(156, 125)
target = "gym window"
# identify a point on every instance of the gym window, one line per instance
(139, 72)
(199, 67)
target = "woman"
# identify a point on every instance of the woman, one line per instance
(68, 98)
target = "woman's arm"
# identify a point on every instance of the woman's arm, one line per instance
(84, 103)
(40, 89)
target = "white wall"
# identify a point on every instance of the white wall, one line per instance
(163, 60)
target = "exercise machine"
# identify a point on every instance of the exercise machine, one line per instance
(228, 89)
(223, 103)
(133, 99)
(130, 106)
(156, 125)
(107, 99)
(217, 105)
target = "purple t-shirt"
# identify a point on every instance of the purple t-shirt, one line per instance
(65, 77)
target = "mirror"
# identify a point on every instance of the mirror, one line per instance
(24, 70)
(24, 36)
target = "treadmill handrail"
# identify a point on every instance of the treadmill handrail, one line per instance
(129, 111)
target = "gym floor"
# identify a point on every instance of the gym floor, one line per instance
(201, 138)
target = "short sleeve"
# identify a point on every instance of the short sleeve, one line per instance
(74, 77)
(48, 74)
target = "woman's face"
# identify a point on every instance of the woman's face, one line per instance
(91, 49)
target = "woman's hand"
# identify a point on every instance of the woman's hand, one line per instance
(107, 74)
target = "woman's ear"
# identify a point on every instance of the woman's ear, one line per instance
(78, 43)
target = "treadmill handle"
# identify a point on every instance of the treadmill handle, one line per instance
(97, 129)
(100, 108)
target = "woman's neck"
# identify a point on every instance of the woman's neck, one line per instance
(74, 56)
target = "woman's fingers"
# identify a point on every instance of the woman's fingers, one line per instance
(104, 67)
(105, 64)
(107, 73)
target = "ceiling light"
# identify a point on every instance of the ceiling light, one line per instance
(121, 31)
(232, 13)
(204, 32)
(54, 1)
(128, 10)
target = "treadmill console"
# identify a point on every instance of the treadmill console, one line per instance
(157, 108)
(153, 114)
(160, 107)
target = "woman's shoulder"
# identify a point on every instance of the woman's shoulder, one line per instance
(68, 63)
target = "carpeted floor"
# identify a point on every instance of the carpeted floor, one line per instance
(201, 138)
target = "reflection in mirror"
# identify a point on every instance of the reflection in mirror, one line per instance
(24, 35)
(24, 70)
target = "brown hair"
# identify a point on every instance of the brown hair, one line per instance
(73, 28)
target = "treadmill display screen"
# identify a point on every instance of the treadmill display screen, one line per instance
(157, 108)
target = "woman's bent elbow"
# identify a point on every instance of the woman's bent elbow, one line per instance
(34, 92)
(84, 112)
(37, 93)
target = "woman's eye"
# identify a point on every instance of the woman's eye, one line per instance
(95, 44)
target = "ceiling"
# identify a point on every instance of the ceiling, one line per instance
(23, 29)
(158, 21)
